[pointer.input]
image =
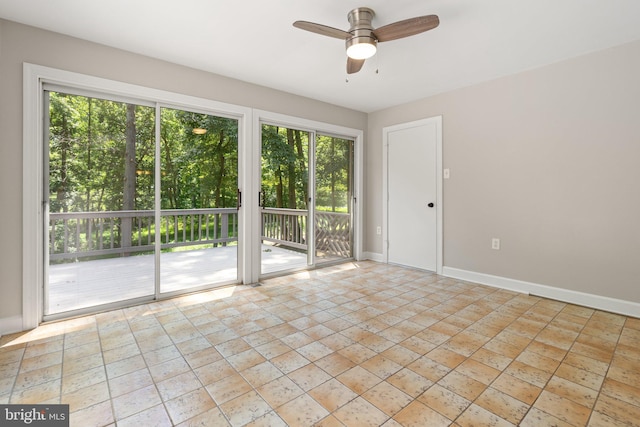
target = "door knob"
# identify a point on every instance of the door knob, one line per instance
(430, 205)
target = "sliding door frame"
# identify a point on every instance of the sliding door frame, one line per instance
(314, 128)
(35, 77)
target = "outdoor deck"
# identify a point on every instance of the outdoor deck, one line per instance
(127, 235)
(81, 284)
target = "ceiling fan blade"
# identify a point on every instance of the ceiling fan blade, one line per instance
(322, 29)
(354, 65)
(406, 28)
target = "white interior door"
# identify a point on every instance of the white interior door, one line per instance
(412, 219)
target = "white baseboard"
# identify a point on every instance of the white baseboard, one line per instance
(10, 325)
(628, 308)
(372, 256)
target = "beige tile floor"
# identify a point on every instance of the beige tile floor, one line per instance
(363, 344)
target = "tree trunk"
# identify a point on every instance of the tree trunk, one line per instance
(129, 194)
(220, 202)
(303, 166)
(61, 194)
(333, 175)
(89, 137)
(279, 190)
(89, 172)
(220, 177)
(172, 194)
(291, 169)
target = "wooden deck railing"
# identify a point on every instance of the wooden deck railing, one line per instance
(288, 227)
(89, 234)
(285, 226)
(75, 235)
(333, 233)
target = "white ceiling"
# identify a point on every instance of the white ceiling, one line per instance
(254, 41)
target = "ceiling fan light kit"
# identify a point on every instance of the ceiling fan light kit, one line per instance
(362, 39)
(361, 47)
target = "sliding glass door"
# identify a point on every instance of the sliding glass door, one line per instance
(284, 199)
(306, 198)
(141, 201)
(100, 199)
(333, 198)
(199, 200)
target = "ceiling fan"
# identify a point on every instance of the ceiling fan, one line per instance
(362, 39)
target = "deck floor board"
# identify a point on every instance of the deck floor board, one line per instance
(84, 284)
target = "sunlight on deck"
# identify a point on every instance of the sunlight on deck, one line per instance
(84, 284)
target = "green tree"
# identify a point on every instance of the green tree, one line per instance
(199, 167)
(334, 160)
(284, 166)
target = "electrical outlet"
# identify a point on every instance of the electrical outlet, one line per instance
(446, 173)
(495, 244)
(378, 230)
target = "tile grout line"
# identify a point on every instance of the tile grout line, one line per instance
(559, 364)
(604, 377)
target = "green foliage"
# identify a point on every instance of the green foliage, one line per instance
(87, 157)
(199, 170)
(285, 174)
(334, 160)
(86, 154)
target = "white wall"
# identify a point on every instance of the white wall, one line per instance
(549, 162)
(20, 43)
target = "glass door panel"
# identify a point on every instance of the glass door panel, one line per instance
(100, 218)
(284, 199)
(199, 214)
(104, 228)
(334, 159)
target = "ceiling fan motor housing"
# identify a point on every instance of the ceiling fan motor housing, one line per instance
(361, 28)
